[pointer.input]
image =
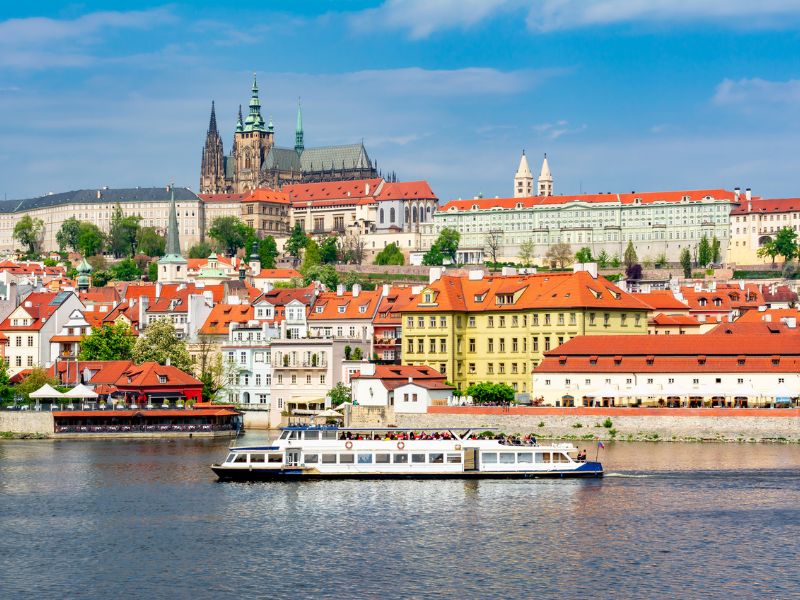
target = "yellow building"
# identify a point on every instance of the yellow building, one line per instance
(756, 222)
(497, 328)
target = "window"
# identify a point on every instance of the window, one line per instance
(432, 345)
(30, 341)
(436, 458)
(606, 319)
(308, 379)
(346, 458)
(502, 344)
(328, 459)
(410, 322)
(502, 321)
(508, 458)
(30, 361)
(501, 368)
(420, 346)
(514, 345)
(490, 345)
(258, 379)
(471, 322)
(442, 321)
(311, 459)
(365, 459)
(490, 368)
(294, 379)
(489, 458)
(382, 458)
(162, 379)
(560, 318)
(472, 344)
(471, 368)
(535, 344)
(546, 344)
(417, 458)
(454, 458)
(547, 319)
(443, 345)
(410, 346)
(490, 322)
(322, 379)
(400, 458)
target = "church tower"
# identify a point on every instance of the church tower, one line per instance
(212, 167)
(299, 146)
(252, 143)
(545, 179)
(523, 180)
(172, 267)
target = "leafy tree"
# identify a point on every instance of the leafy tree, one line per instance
(559, 254)
(296, 242)
(90, 239)
(210, 369)
(704, 255)
(200, 250)
(325, 274)
(67, 236)
(159, 343)
(357, 354)
(390, 255)
(126, 270)
(686, 262)
(584, 255)
(340, 393)
(268, 252)
(615, 262)
(6, 391)
(98, 262)
(152, 271)
(100, 278)
(36, 379)
(108, 342)
(150, 243)
(230, 232)
(445, 247)
(786, 243)
(526, 252)
(603, 259)
(630, 258)
(328, 250)
(716, 256)
(123, 233)
(28, 231)
(311, 257)
(661, 260)
(634, 271)
(495, 393)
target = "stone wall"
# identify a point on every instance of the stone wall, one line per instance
(30, 422)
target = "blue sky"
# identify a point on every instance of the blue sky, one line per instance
(622, 94)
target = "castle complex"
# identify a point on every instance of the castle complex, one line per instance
(256, 162)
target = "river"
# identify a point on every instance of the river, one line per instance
(99, 519)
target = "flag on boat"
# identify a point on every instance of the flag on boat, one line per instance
(601, 445)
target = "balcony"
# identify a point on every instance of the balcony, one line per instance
(299, 365)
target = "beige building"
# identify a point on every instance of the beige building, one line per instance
(755, 222)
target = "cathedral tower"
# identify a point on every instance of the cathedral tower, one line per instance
(299, 146)
(523, 180)
(545, 179)
(212, 167)
(252, 143)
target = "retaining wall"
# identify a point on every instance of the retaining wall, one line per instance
(23, 421)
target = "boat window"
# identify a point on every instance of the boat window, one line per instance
(294, 435)
(259, 458)
(454, 458)
(311, 459)
(285, 435)
(508, 458)
(346, 458)
(525, 457)
(230, 458)
(542, 457)
(417, 458)
(328, 459)
(436, 458)
(365, 459)
(382, 458)
(311, 435)
(275, 458)
(489, 457)
(560, 457)
(400, 457)
(240, 458)
(329, 434)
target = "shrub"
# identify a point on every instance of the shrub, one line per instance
(608, 424)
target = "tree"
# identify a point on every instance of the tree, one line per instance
(311, 257)
(150, 243)
(200, 250)
(526, 252)
(126, 270)
(230, 232)
(67, 236)
(268, 252)
(768, 249)
(433, 257)
(630, 258)
(661, 260)
(210, 369)
(495, 393)
(296, 242)
(686, 262)
(357, 354)
(786, 243)
(615, 262)
(492, 243)
(328, 250)
(390, 255)
(325, 274)
(559, 254)
(6, 391)
(100, 278)
(123, 233)
(28, 231)
(152, 271)
(704, 255)
(444, 248)
(634, 272)
(584, 255)
(91, 240)
(351, 247)
(603, 259)
(716, 256)
(340, 393)
(36, 379)
(159, 343)
(108, 342)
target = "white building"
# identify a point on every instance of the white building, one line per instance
(407, 389)
(247, 358)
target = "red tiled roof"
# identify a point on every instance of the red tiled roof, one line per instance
(100, 295)
(677, 320)
(148, 374)
(662, 300)
(406, 190)
(391, 306)
(267, 195)
(773, 315)
(37, 305)
(329, 303)
(750, 328)
(278, 274)
(222, 315)
(772, 205)
(393, 376)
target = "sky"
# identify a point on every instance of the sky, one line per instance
(622, 95)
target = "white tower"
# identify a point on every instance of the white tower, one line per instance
(545, 179)
(523, 180)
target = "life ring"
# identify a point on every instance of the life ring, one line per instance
(348, 444)
(401, 445)
(458, 446)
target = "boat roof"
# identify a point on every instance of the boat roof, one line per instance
(389, 428)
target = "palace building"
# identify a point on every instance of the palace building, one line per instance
(255, 161)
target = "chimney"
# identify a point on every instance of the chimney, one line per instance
(791, 322)
(737, 192)
(340, 289)
(749, 195)
(169, 361)
(366, 189)
(410, 379)
(475, 275)
(99, 194)
(356, 290)
(385, 289)
(159, 287)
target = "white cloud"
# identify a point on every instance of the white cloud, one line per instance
(751, 94)
(553, 131)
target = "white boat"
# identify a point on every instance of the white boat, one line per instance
(328, 452)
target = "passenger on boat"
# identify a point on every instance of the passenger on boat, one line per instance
(581, 457)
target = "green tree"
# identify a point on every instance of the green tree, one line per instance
(716, 255)
(444, 248)
(126, 270)
(100, 278)
(496, 393)
(67, 236)
(433, 257)
(108, 342)
(357, 354)
(630, 258)
(325, 274)
(152, 271)
(6, 391)
(603, 259)
(200, 250)
(28, 231)
(786, 243)
(390, 255)
(267, 252)
(311, 257)
(296, 242)
(526, 252)
(686, 262)
(158, 343)
(328, 250)
(150, 243)
(210, 369)
(90, 239)
(340, 393)
(615, 262)
(35, 379)
(704, 255)
(584, 255)
(230, 232)
(123, 233)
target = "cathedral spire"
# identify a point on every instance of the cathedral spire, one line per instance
(239, 124)
(254, 122)
(298, 132)
(523, 179)
(172, 266)
(545, 179)
(173, 242)
(212, 123)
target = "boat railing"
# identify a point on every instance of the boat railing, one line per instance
(142, 428)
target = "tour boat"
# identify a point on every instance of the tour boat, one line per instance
(329, 452)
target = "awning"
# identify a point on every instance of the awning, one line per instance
(46, 391)
(306, 400)
(81, 391)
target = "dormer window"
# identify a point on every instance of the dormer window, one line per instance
(341, 309)
(427, 297)
(362, 309)
(318, 309)
(162, 379)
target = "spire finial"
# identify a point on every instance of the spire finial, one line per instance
(212, 123)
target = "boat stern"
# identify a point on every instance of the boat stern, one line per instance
(591, 469)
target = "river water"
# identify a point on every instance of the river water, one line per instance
(147, 519)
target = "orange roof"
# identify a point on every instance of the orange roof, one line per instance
(750, 328)
(771, 315)
(406, 190)
(37, 305)
(725, 297)
(393, 376)
(267, 195)
(642, 197)
(151, 412)
(100, 295)
(151, 373)
(662, 300)
(676, 320)
(222, 315)
(358, 191)
(391, 306)
(760, 205)
(329, 305)
(278, 274)
(103, 371)
(66, 338)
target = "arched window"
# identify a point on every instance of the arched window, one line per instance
(381, 215)
(414, 214)
(391, 215)
(406, 214)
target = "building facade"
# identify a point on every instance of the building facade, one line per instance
(756, 222)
